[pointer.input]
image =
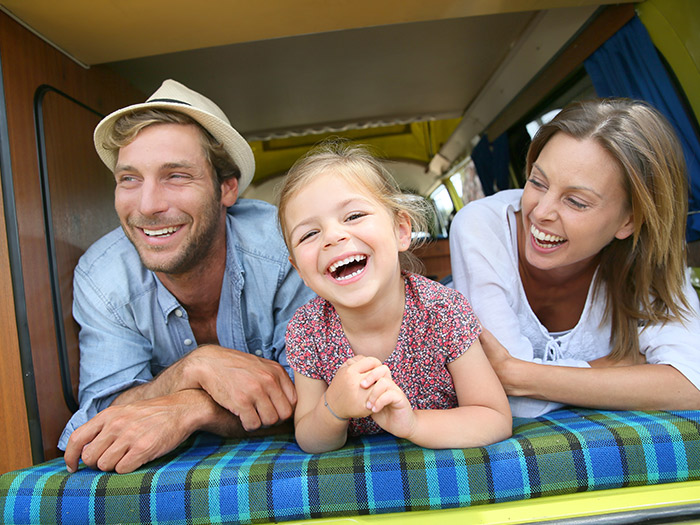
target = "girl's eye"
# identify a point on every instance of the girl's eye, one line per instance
(306, 236)
(355, 215)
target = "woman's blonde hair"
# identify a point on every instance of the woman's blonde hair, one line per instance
(358, 166)
(644, 273)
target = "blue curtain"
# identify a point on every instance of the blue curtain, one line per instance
(491, 162)
(628, 65)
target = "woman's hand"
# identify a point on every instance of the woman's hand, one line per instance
(500, 359)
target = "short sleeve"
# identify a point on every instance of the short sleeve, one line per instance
(302, 353)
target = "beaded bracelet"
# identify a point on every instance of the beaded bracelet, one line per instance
(325, 402)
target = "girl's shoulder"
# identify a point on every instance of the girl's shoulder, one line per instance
(425, 291)
(316, 310)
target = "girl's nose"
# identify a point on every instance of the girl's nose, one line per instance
(334, 235)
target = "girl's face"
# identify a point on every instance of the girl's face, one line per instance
(573, 205)
(344, 243)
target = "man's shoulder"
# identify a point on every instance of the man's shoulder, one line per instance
(256, 230)
(112, 260)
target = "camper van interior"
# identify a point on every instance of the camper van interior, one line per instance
(422, 83)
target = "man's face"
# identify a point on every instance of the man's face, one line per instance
(168, 200)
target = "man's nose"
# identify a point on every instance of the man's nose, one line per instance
(153, 199)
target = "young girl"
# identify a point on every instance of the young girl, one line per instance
(380, 348)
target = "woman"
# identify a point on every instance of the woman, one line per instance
(585, 267)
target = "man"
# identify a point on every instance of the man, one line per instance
(183, 309)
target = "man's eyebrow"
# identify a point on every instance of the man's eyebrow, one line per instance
(167, 165)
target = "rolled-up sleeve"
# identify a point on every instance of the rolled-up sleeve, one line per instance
(113, 356)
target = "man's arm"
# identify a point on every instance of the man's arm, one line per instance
(257, 390)
(125, 436)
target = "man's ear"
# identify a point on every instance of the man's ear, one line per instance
(229, 191)
(626, 229)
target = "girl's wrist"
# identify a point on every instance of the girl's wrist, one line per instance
(332, 412)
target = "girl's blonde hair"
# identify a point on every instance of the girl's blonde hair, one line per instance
(358, 166)
(644, 273)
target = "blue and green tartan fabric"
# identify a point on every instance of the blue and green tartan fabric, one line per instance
(211, 480)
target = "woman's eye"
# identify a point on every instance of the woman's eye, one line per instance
(536, 183)
(577, 204)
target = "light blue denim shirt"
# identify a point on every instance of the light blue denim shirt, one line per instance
(132, 327)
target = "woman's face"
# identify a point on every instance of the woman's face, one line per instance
(573, 205)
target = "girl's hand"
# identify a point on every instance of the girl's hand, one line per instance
(390, 407)
(348, 392)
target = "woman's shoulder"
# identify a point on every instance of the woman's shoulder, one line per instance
(489, 213)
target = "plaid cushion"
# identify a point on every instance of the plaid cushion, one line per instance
(211, 480)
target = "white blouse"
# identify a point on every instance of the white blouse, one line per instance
(484, 252)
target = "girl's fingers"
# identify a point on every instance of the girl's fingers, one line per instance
(375, 374)
(391, 396)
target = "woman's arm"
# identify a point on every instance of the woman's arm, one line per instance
(624, 386)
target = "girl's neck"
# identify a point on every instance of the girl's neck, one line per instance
(374, 330)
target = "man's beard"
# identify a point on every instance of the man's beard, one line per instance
(194, 250)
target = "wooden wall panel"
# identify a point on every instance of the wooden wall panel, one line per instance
(14, 430)
(27, 64)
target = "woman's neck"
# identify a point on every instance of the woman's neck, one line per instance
(557, 296)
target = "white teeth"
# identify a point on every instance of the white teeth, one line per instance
(353, 258)
(353, 274)
(163, 231)
(546, 237)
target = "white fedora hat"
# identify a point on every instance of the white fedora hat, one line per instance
(174, 96)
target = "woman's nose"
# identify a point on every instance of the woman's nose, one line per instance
(546, 208)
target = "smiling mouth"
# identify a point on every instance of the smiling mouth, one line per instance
(348, 267)
(545, 240)
(162, 232)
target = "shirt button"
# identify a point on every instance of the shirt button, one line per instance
(178, 312)
(258, 352)
(187, 342)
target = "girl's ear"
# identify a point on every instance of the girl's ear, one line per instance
(229, 191)
(403, 231)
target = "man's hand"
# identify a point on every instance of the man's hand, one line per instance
(124, 437)
(257, 390)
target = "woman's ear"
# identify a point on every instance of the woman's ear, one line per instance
(626, 228)
(229, 191)
(403, 231)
